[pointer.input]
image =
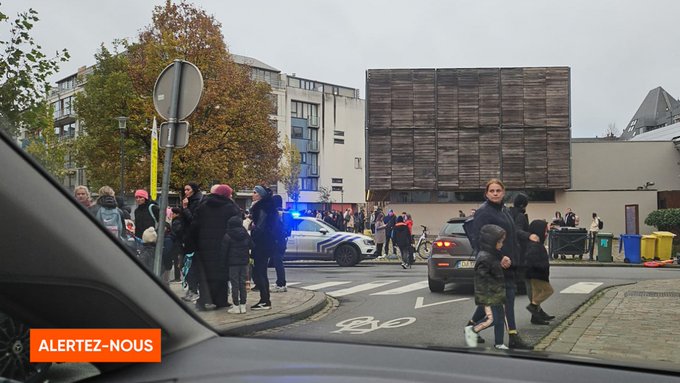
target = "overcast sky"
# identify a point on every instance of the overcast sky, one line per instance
(617, 50)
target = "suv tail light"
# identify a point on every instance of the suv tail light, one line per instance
(442, 246)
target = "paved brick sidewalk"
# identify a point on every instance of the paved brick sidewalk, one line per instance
(636, 321)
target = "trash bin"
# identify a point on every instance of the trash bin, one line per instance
(604, 247)
(568, 241)
(631, 247)
(648, 247)
(664, 245)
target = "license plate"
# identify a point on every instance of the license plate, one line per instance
(465, 265)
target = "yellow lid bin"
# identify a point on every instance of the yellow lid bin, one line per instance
(648, 247)
(664, 245)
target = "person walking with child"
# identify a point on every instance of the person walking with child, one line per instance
(489, 287)
(235, 247)
(538, 273)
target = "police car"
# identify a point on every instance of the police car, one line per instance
(313, 239)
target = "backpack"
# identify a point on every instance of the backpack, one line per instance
(600, 224)
(112, 220)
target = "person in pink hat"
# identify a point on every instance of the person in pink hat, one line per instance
(146, 213)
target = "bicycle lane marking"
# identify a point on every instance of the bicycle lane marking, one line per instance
(404, 289)
(366, 324)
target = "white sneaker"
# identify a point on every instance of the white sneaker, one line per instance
(501, 347)
(242, 309)
(470, 337)
(280, 289)
(234, 310)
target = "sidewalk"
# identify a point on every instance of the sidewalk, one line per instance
(635, 321)
(287, 307)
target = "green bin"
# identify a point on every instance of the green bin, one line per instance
(604, 247)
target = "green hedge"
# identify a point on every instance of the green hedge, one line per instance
(664, 219)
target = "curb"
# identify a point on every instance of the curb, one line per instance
(315, 304)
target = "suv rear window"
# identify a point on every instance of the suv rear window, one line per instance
(452, 228)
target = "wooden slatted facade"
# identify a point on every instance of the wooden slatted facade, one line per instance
(453, 129)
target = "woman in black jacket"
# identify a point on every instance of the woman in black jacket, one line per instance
(494, 212)
(402, 238)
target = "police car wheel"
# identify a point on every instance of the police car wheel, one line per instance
(346, 255)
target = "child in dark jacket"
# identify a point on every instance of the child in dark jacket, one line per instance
(236, 245)
(538, 273)
(489, 286)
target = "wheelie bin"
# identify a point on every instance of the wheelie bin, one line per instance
(604, 247)
(631, 247)
(664, 245)
(648, 247)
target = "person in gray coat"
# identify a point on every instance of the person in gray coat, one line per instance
(379, 235)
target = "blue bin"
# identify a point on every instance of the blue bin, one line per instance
(631, 246)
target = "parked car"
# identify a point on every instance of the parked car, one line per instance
(314, 239)
(451, 259)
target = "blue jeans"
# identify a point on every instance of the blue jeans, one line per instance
(483, 322)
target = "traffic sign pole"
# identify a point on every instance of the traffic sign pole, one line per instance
(172, 120)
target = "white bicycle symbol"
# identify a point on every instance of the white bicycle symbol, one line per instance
(363, 325)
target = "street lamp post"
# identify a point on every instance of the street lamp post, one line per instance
(122, 125)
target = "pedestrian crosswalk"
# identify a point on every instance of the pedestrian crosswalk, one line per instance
(397, 287)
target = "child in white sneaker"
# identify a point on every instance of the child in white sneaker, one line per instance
(489, 286)
(236, 245)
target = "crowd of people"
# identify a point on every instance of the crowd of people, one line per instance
(206, 242)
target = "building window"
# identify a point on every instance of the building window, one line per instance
(336, 180)
(357, 162)
(306, 110)
(297, 132)
(339, 141)
(338, 132)
(310, 184)
(303, 158)
(336, 188)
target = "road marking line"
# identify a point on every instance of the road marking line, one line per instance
(292, 283)
(421, 300)
(359, 288)
(404, 289)
(581, 288)
(324, 285)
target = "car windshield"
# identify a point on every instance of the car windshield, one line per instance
(295, 185)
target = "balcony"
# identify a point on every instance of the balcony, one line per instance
(313, 121)
(313, 146)
(313, 170)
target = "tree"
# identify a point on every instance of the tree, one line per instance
(44, 144)
(325, 196)
(231, 138)
(24, 74)
(289, 170)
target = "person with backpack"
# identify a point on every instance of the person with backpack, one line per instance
(595, 226)
(235, 248)
(146, 214)
(538, 273)
(107, 212)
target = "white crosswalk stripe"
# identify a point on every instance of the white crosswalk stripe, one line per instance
(359, 288)
(404, 289)
(581, 288)
(325, 285)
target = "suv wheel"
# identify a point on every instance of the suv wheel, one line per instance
(346, 255)
(435, 285)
